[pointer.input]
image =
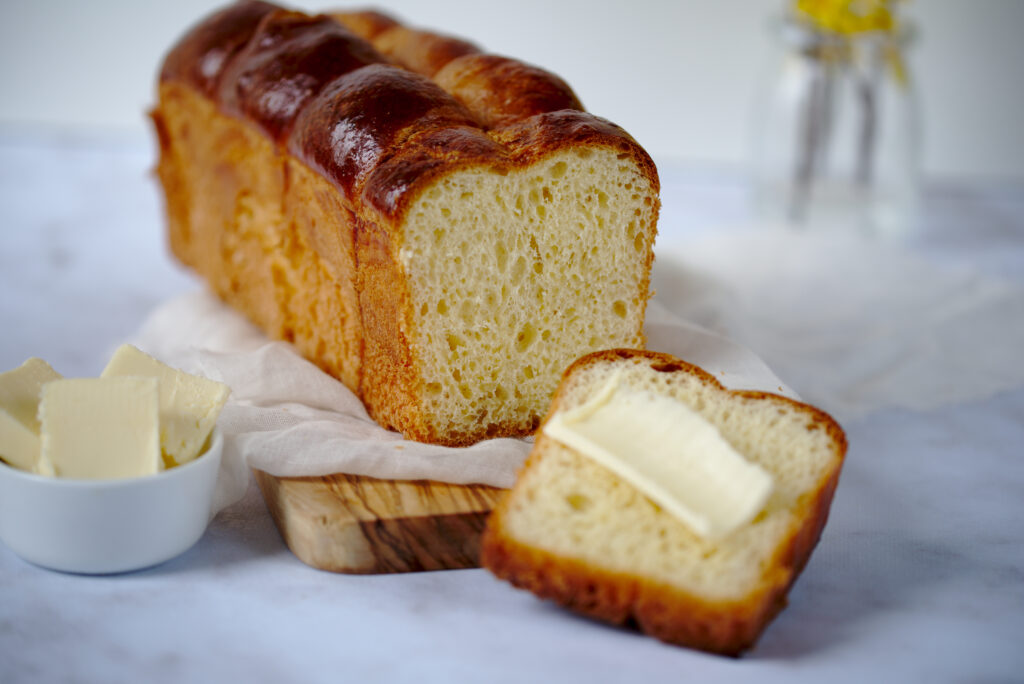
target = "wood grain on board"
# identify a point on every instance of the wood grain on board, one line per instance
(354, 524)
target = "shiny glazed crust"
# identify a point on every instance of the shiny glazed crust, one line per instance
(656, 608)
(362, 114)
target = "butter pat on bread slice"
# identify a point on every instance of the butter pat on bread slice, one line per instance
(667, 451)
(574, 531)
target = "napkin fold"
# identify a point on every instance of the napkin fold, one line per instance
(287, 417)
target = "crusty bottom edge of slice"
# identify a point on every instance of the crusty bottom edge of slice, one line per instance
(655, 608)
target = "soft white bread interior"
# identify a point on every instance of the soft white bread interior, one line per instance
(514, 276)
(572, 531)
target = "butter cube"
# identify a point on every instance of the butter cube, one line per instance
(19, 403)
(19, 446)
(19, 390)
(189, 405)
(94, 428)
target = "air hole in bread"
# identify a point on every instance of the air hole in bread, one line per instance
(526, 337)
(638, 242)
(501, 256)
(518, 269)
(454, 341)
(578, 502)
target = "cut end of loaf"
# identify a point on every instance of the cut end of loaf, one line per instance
(570, 525)
(513, 274)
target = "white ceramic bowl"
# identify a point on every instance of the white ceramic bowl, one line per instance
(107, 526)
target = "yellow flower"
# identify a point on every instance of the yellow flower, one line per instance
(847, 17)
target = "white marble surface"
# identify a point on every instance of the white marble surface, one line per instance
(919, 575)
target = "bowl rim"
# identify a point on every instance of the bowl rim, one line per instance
(215, 443)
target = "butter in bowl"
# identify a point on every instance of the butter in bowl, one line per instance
(109, 474)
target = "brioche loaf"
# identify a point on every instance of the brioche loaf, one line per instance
(441, 229)
(574, 532)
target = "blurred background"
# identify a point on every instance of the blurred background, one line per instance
(681, 75)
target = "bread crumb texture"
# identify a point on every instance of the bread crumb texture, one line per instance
(515, 274)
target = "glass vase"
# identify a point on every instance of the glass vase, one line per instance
(837, 132)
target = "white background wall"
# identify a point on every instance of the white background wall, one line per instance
(679, 75)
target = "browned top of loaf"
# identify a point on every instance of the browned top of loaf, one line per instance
(380, 109)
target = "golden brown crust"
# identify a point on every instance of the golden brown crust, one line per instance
(371, 117)
(389, 376)
(421, 51)
(657, 609)
(287, 97)
(289, 59)
(502, 91)
(201, 56)
(367, 24)
(246, 217)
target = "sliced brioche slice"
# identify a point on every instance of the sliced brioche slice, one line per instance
(574, 532)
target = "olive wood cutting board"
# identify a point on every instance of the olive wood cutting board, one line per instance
(354, 524)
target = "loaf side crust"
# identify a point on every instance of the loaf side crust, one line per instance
(656, 608)
(247, 218)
